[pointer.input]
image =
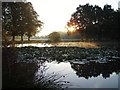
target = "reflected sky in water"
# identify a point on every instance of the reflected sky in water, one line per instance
(66, 44)
(64, 68)
(82, 67)
(35, 45)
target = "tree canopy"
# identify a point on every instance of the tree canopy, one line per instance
(19, 19)
(54, 36)
(96, 23)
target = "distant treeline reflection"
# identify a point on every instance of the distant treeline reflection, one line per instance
(93, 69)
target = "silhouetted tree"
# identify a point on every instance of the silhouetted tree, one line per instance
(20, 19)
(96, 23)
(32, 22)
(54, 36)
(7, 24)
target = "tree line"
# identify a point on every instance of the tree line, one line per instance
(95, 23)
(19, 19)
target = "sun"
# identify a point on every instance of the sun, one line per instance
(72, 26)
(71, 29)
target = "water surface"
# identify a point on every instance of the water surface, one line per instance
(98, 81)
(81, 67)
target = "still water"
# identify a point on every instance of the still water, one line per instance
(66, 44)
(76, 81)
(82, 67)
(36, 45)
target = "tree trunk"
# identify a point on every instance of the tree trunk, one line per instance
(13, 39)
(28, 38)
(5, 43)
(21, 37)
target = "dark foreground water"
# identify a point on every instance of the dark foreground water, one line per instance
(71, 67)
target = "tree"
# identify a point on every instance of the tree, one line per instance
(32, 22)
(108, 22)
(20, 19)
(84, 16)
(7, 25)
(54, 36)
(96, 23)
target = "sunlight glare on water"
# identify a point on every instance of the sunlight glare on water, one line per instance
(61, 44)
(35, 45)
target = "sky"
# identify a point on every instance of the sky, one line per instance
(56, 13)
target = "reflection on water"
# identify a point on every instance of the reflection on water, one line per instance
(35, 45)
(61, 44)
(95, 69)
(87, 76)
(86, 68)
(82, 67)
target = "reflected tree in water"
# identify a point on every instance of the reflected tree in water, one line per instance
(18, 73)
(94, 69)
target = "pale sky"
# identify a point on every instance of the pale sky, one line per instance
(56, 13)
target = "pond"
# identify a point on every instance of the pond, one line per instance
(79, 78)
(61, 44)
(35, 44)
(77, 67)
